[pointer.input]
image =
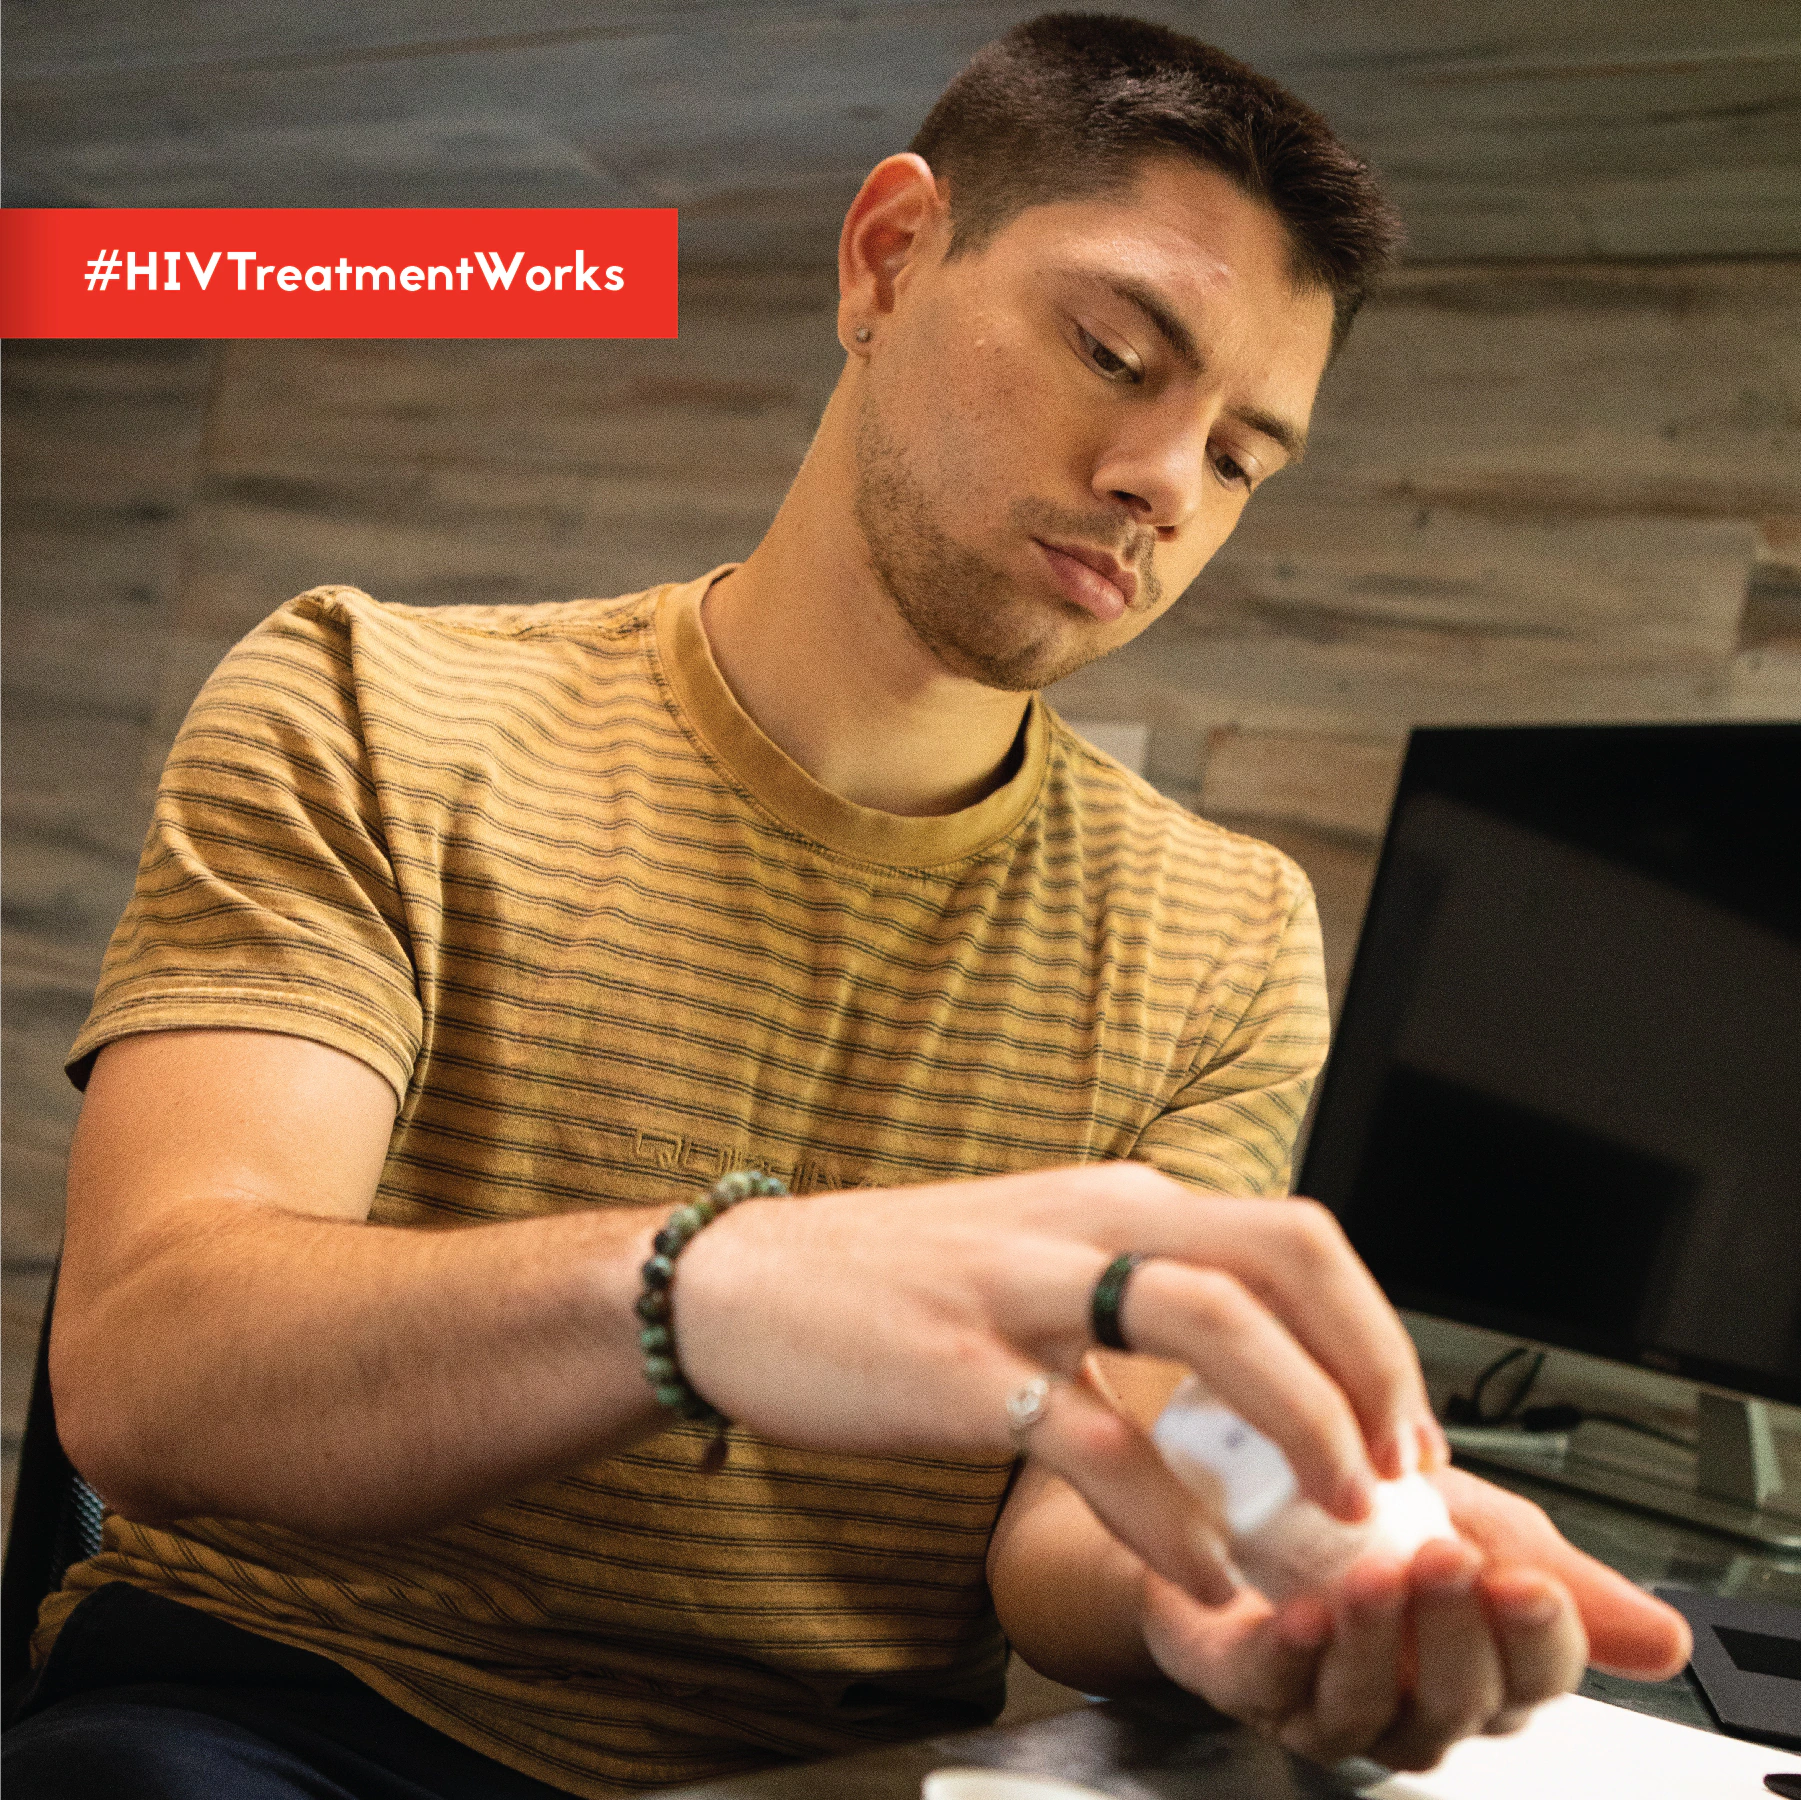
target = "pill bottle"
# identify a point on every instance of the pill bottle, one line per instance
(1282, 1542)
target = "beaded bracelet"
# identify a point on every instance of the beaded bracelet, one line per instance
(662, 1367)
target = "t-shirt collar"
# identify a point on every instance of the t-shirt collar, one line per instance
(782, 787)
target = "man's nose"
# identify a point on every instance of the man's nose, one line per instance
(1158, 473)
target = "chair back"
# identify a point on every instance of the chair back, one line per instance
(55, 1522)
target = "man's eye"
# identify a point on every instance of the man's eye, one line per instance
(1108, 362)
(1232, 472)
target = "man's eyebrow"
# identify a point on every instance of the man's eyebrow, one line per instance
(1292, 439)
(1140, 294)
(1152, 304)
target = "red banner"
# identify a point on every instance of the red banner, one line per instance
(318, 272)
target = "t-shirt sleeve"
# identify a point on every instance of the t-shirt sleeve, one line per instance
(1232, 1128)
(266, 899)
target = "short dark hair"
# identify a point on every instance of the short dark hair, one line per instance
(1068, 105)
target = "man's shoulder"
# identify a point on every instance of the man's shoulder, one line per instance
(335, 659)
(339, 609)
(1120, 808)
(390, 658)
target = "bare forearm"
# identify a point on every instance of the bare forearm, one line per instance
(346, 1378)
(234, 1338)
(1068, 1595)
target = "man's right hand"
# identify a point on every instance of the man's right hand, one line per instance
(901, 1319)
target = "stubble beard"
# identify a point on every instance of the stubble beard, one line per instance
(961, 607)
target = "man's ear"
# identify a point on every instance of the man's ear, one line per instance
(897, 216)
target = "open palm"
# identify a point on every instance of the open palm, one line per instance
(1403, 1659)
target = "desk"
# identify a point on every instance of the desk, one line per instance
(1171, 1746)
(1138, 1749)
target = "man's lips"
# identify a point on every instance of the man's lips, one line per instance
(1091, 579)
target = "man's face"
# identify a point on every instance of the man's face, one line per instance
(1061, 428)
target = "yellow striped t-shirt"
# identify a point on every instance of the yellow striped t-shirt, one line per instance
(537, 867)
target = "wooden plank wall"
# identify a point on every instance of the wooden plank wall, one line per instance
(1547, 491)
(1535, 493)
(1507, 128)
(102, 453)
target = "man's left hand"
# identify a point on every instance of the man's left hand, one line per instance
(1403, 1659)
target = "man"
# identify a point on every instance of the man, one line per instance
(468, 942)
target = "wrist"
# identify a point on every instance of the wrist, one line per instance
(589, 1263)
(659, 1338)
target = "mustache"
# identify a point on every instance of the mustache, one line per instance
(1107, 528)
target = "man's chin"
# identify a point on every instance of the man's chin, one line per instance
(1016, 664)
(991, 632)
(1022, 668)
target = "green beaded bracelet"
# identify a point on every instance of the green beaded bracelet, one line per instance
(662, 1367)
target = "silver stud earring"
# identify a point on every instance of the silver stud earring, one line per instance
(862, 334)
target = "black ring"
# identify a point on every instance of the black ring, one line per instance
(1109, 1296)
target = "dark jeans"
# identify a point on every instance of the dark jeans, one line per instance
(143, 1699)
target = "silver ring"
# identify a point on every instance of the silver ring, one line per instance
(1026, 1406)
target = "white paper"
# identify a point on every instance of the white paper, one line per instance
(1002, 1784)
(1577, 1749)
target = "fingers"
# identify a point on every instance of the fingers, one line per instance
(1629, 1631)
(1489, 1645)
(1539, 1636)
(1358, 1688)
(1407, 1659)
(1295, 1259)
(1459, 1686)
(1254, 1364)
(1243, 1657)
(1118, 1471)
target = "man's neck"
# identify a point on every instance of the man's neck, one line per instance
(810, 642)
